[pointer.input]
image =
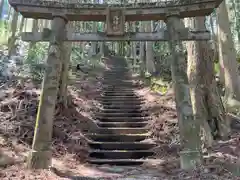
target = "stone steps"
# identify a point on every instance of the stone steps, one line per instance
(119, 95)
(122, 124)
(120, 114)
(120, 154)
(121, 145)
(121, 162)
(120, 92)
(117, 98)
(117, 137)
(121, 130)
(122, 110)
(120, 103)
(122, 107)
(121, 121)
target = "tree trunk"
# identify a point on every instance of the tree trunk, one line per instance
(207, 105)
(35, 28)
(142, 53)
(25, 25)
(190, 156)
(46, 24)
(94, 44)
(40, 156)
(227, 54)
(150, 66)
(65, 58)
(1, 7)
(133, 48)
(12, 39)
(21, 25)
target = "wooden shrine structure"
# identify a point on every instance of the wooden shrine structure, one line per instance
(115, 16)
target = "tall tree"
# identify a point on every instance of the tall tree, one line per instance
(1, 7)
(206, 102)
(150, 66)
(227, 54)
(12, 39)
(142, 52)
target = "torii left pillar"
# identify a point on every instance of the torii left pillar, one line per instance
(41, 154)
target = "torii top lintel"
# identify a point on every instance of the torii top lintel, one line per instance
(76, 11)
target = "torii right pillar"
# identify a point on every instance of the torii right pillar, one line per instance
(190, 155)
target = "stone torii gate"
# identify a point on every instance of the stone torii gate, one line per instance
(115, 17)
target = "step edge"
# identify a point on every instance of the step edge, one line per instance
(119, 151)
(134, 142)
(97, 134)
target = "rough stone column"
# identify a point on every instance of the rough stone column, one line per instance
(40, 156)
(190, 156)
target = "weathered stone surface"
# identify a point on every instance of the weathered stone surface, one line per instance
(40, 157)
(80, 12)
(189, 129)
(115, 22)
(186, 35)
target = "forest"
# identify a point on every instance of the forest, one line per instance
(120, 110)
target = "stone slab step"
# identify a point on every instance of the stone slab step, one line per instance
(118, 154)
(117, 67)
(122, 91)
(118, 75)
(118, 90)
(121, 130)
(122, 124)
(120, 114)
(119, 95)
(117, 84)
(127, 107)
(118, 87)
(116, 99)
(117, 70)
(117, 137)
(123, 119)
(121, 110)
(121, 103)
(117, 79)
(121, 145)
(113, 80)
(119, 100)
(120, 162)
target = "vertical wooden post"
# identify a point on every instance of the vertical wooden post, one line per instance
(142, 53)
(12, 39)
(40, 156)
(190, 156)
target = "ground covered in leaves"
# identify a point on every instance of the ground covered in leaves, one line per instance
(18, 109)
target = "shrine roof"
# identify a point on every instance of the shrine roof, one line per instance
(77, 10)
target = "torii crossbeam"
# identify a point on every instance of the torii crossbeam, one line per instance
(76, 11)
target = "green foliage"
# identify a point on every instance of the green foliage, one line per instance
(158, 85)
(77, 55)
(3, 31)
(34, 62)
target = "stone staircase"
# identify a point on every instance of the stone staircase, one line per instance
(119, 140)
